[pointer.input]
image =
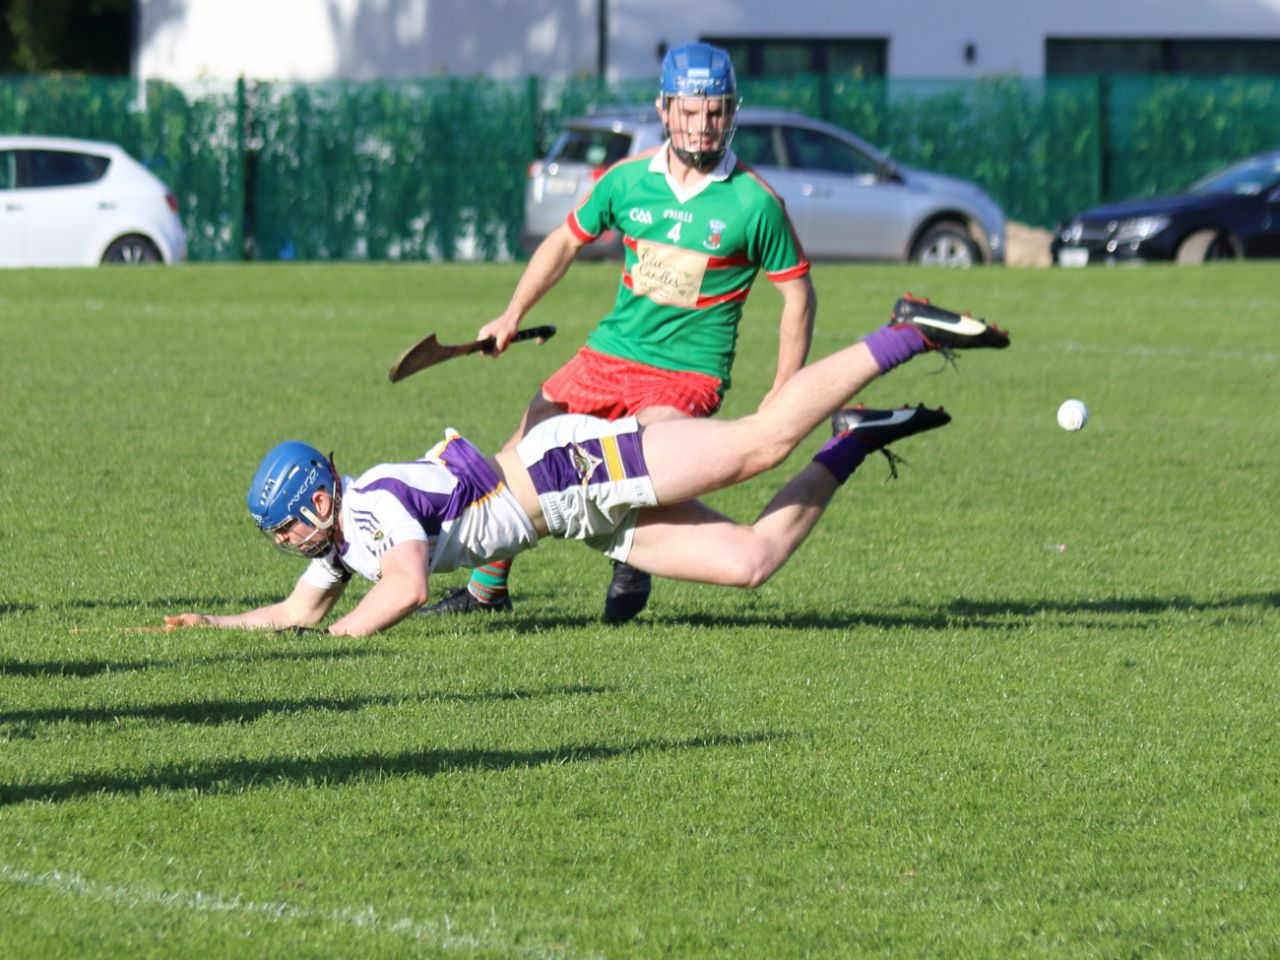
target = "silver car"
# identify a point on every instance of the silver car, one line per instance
(848, 200)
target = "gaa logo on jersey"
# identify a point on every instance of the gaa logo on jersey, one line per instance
(715, 233)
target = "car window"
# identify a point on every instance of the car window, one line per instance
(1247, 178)
(599, 148)
(8, 170)
(814, 150)
(62, 168)
(754, 146)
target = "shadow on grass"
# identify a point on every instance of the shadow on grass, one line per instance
(235, 776)
(93, 668)
(956, 614)
(216, 712)
(1119, 605)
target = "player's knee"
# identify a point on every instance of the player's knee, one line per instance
(766, 456)
(764, 450)
(747, 568)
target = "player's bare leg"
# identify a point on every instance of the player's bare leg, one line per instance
(690, 541)
(690, 458)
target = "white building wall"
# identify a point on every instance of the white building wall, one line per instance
(183, 40)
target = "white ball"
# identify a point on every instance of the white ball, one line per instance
(1073, 415)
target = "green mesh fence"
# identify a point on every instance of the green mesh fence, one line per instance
(191, 141)
(434, 169)
(430, 169)
(1164, 132)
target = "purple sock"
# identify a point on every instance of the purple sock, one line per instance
(842, 454)
(892, 345)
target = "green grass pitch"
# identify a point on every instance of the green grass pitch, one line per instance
(1022, 702)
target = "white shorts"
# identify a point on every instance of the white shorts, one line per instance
(591, 479)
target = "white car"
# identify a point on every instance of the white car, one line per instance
(79, 203)
(848, 200)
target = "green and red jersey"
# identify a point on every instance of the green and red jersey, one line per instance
(689, 261)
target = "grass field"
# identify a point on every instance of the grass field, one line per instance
(1023, 702)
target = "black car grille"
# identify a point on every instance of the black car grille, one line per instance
(1086, 233)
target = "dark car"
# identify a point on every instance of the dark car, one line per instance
(1230, 214)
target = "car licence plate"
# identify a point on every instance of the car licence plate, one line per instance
(559, 186)
(1073, 257)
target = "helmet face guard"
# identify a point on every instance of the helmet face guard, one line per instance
(281, 495)
(699, 102)
(313, 545)
(701, 128)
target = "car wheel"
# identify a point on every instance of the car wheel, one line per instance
(1205, 245)
(946, 244)
(132, 248)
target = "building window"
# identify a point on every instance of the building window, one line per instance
(858, 57)
(1203, 58)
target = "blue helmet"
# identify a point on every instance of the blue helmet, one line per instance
(698, 70)
(285, 483)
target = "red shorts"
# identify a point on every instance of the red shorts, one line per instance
(601, 385)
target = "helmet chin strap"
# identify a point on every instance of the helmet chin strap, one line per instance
(312, 546)
(704, 161)
(316, 522)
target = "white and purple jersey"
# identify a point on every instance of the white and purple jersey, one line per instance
(451, 499)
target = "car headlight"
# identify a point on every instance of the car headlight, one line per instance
(1072, 232)
(1139, 228)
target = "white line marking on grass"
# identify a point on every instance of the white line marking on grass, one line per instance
(440, 934)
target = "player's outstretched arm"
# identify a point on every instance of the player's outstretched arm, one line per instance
(400, 591)
(548, 264)
(306, 606)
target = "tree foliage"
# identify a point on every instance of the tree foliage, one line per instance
(75, 36)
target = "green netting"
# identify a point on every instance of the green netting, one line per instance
(1164, 132)
(427, 169)
(1032, 144)
(435, 168)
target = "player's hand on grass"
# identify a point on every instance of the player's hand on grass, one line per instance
(187, 620)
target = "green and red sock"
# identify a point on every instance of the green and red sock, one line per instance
(489, 583)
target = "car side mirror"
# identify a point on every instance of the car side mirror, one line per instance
(889, 171)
